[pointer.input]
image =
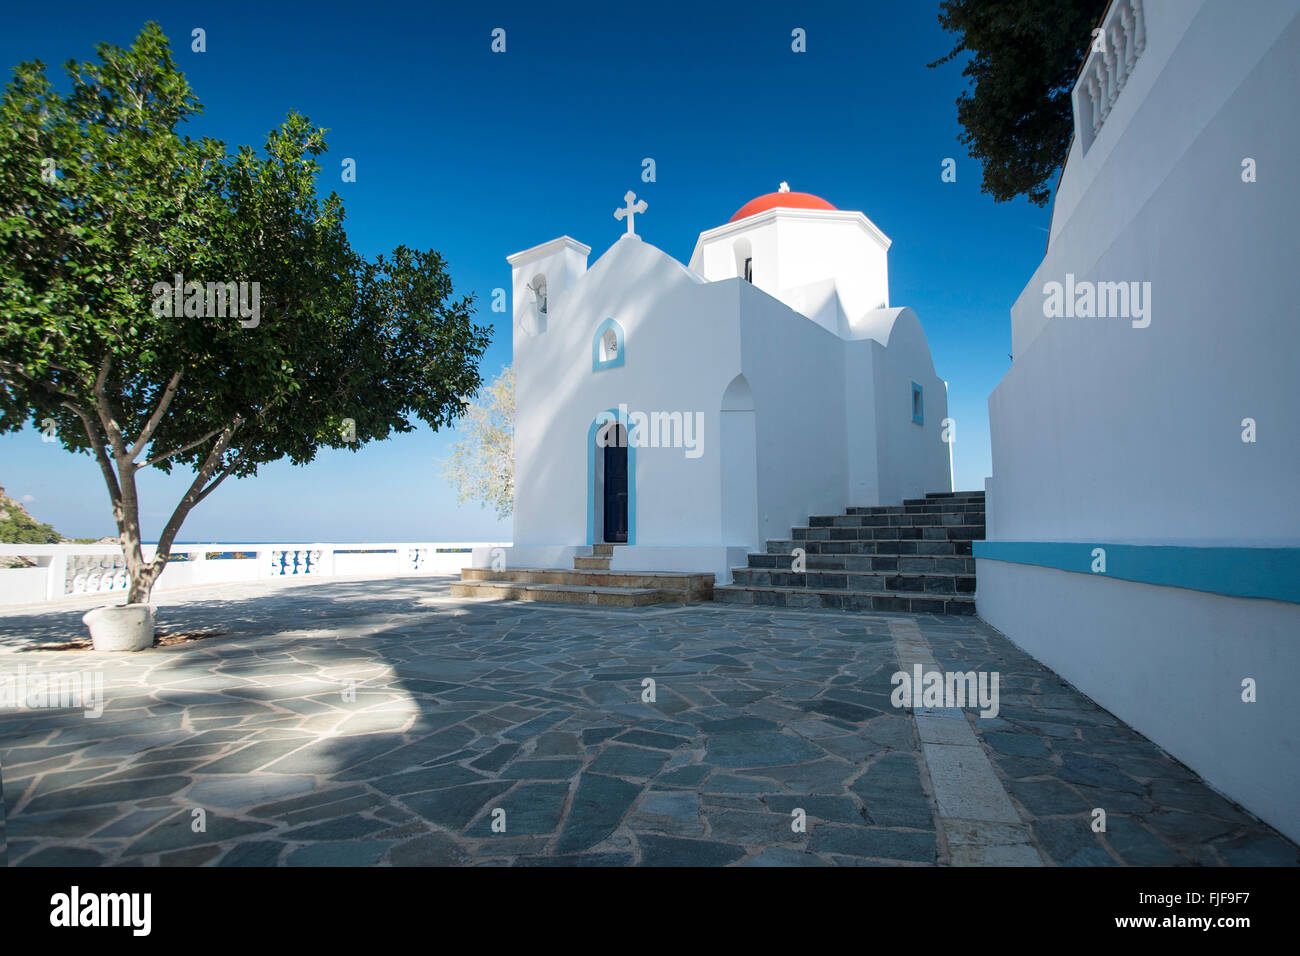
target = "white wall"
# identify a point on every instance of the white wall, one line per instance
(1109, 433)
(796, 371)
(23, 585)
(794, 249)
(738, 472)
(1102, 430)
(912, 459)
(680, 354)
(1169, 662)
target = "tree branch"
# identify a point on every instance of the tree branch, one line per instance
(225, 473)
(104, 411)
(10, 368)
(177, 451)
(101, 455)
(150, 426)
(191, 498)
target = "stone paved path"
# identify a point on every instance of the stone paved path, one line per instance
(461, 709)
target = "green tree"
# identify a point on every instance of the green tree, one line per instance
(481, 466)
(103, 201)
(1025, 55)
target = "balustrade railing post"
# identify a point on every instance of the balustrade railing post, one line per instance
(56, 584)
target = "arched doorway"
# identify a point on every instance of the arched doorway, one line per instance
(738, 471)
(611, 481)
(614, 484)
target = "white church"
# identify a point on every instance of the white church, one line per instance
(688, 412)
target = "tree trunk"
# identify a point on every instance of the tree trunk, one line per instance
(127, 512)
(117, 461)
(142, 575)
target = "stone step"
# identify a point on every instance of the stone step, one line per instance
(603, 550)
(873, 581)
(926, 509)
(946, 564)
(590, 564)
(843, 600)
(946, 518)
(964, 532)
(912, 557)
(900, 547)
(564, 594)
(684, 585)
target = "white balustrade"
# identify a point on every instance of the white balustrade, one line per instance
(59, 571)
(1107, 70)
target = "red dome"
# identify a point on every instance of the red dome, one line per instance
(781, 201)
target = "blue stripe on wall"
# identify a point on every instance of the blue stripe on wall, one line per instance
(1272, 573)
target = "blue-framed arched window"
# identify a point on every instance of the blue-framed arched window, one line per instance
(607, 346)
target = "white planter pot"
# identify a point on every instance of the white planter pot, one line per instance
(120, 627)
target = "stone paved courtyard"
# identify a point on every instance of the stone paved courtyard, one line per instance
(461, 709)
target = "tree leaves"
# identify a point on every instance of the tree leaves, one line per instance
(1025, 55)
(482, 464)
(87, 251)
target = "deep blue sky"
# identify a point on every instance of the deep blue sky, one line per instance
(479, 155)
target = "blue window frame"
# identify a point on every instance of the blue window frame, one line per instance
(918, 404)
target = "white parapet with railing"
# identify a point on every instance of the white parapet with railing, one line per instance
(51, 572)
(1119, 42)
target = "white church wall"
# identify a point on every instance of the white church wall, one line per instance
(717, 255)
(815, 245)
(1169, 662)
(795, 251)
(862, 443)
(819, 301)
(795, 369)
(912, 458)
(679, 357)
(1107, 433)
(706, 559)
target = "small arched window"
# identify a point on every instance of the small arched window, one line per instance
(607, 347)
(539, 293)
(535, 320)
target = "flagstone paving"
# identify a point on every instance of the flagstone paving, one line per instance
(382, 722)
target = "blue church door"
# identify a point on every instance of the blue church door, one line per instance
(616, 486)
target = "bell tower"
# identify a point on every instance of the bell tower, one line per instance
(539, 276)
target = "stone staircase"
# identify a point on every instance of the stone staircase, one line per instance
(914, 557)
(590, 582)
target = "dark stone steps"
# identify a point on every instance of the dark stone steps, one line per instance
(914, 557)
(924, 563)
(872, 546)
(965, 532)
(844, 600)
(939, 519)
(874, 581)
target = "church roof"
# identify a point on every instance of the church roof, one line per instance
(780, 200)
